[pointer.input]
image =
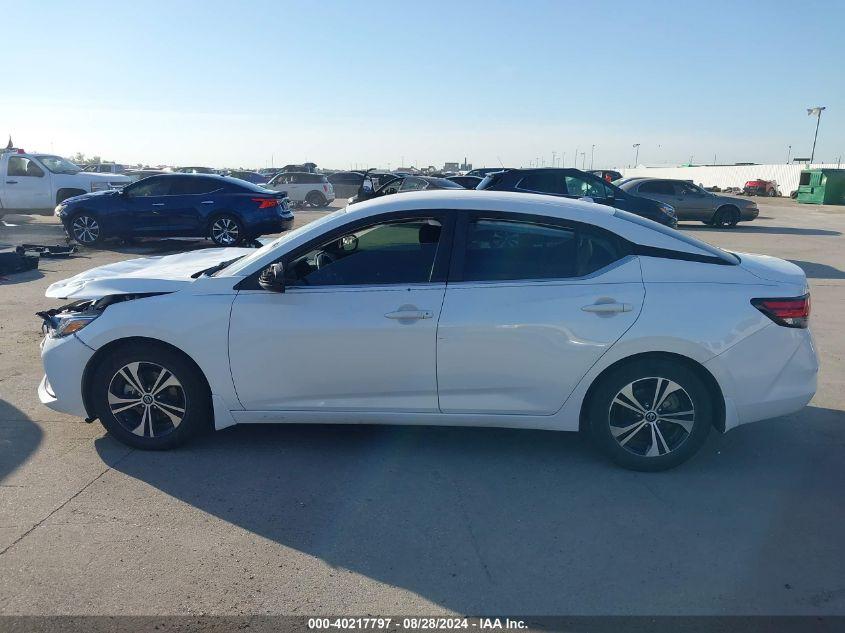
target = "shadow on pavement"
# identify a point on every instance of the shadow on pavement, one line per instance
(19, 278)
(19, 438)
(815, 270)
(776, 230)
(492, 520)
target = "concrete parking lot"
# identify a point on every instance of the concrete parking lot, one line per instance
(382, 520)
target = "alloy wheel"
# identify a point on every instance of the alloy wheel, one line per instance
(85, 229)
(147, 399)
(225, 231)
(651, 416)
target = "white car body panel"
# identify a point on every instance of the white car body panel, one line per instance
(38, 193)
(334, 349)
(521, 348)
(510, 354)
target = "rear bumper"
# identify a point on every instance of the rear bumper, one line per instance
(273, 225)
(771, 373)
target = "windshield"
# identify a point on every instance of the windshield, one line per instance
(58, 165)
(245, 262)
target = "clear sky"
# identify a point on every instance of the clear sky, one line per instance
(241, 83)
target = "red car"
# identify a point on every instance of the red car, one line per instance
(761, 187)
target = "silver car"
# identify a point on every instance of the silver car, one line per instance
(691, 202)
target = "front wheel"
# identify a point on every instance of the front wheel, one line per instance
(226, 230)
(150, 397)
(651, 415)
(85, 229)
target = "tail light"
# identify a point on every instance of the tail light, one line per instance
(789, 312)
(266, 203)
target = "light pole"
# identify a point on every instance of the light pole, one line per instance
(636, 146)
(583, 161)
(788, 153)
(592, 153)
(563, 160)
(553, 159)
(817, 111)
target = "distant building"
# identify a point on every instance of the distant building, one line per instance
(465, 166)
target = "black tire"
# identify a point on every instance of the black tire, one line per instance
(630, 437)
(226, 230)
(64, 194)
(113, 387)
(772, 193)
(725, 217)
(316, 199)
(85, 228)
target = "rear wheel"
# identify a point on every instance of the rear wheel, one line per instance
(726, 217)
(85, 229)
(316, 199)
(772, 193)
(651, 414)
(226, 230)
(150, 397)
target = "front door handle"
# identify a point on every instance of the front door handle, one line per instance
(11, 182)
(207, 202)
(607, 308)
(410, 315)
(158, 204)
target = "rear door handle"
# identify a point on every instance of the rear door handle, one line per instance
(409, 314)
(11, 182)
(158, 204)
(207, 202)
(607, 308)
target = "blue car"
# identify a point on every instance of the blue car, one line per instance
(226, 210)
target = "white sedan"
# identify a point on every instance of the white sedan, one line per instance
(444, 308)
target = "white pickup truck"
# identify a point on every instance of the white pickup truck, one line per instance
(36, 183)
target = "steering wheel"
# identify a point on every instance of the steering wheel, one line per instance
(323, 259)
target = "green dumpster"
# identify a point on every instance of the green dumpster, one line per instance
(822, 186)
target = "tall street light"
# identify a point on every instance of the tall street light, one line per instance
(817, 112)
(592, 153)
(636, 146)
(788, 153)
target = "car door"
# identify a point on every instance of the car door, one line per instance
(27, 185)
(662, 191)
(696, 203)
(355, 328)
(146, 203)
(532, 304)
(191, 200)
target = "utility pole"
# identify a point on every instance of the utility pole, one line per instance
(636, 146)
(592, 153)
(553, 159)
(788, 153)
(817, 112)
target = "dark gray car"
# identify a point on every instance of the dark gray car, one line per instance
(691, 202)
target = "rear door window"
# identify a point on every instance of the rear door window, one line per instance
(543, 182)
(498, 250)
(658, 187)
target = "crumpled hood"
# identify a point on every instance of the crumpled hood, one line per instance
(167, 273)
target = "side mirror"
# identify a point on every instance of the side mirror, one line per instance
(272, 278)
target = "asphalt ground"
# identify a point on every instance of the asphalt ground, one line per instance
(370, 520)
